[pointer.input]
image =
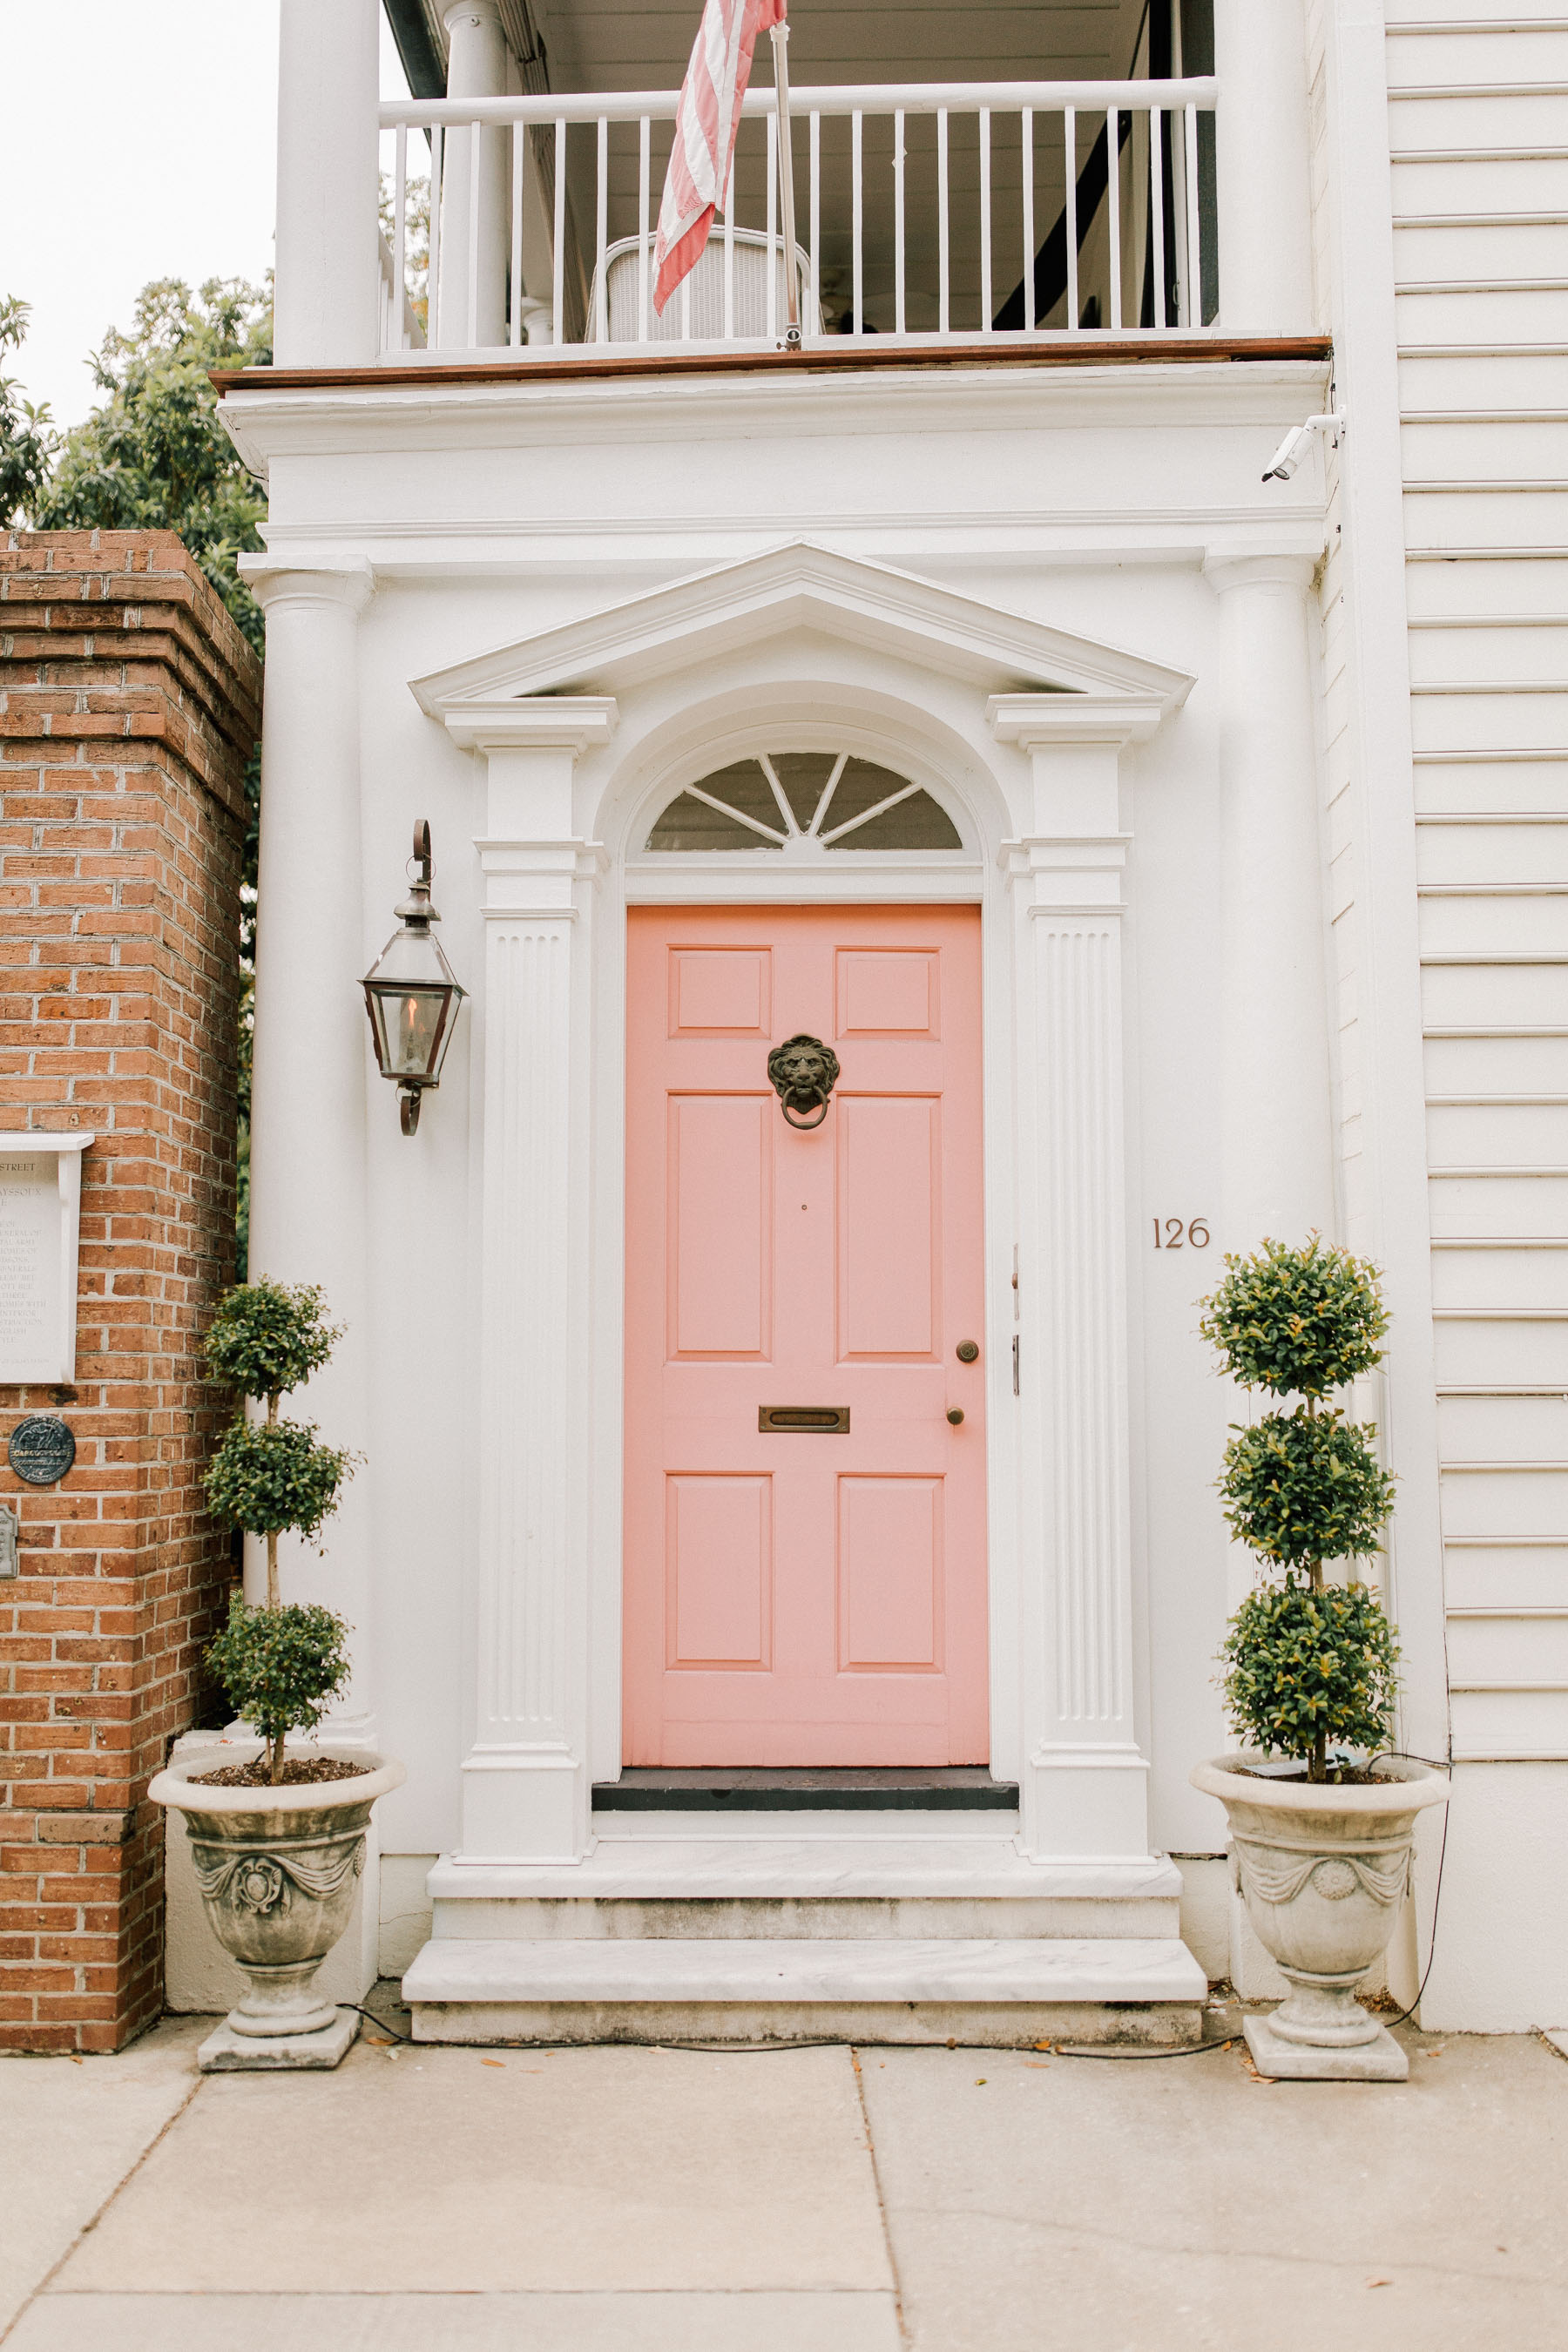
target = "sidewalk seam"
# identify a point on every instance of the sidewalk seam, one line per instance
(904, 2336)
(96, 2216)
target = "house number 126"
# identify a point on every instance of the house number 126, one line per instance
(1177, 1235)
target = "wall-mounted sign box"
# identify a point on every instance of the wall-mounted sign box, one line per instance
(40, 1208)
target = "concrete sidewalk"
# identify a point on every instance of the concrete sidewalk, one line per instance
(809, 2200)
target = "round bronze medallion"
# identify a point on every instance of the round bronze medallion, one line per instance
(41, 1450)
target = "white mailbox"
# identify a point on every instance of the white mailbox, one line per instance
(40, 1211)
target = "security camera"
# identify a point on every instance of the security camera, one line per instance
(1294, 447)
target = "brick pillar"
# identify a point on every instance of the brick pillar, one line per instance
(129, 705)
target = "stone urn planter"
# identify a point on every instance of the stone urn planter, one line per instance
(277, 1868)
(1322, 1871)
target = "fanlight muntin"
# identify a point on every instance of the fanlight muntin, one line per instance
(802, 806)
(411, 994)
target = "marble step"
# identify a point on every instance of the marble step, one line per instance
(783, 1887)
(963, 1989)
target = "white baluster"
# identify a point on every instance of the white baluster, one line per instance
(1195, 317)
(816, 219)
(645, 133)
(987, 313)
(1069, 153)
(476, 157)
(730, 261)
(433, 273)
(942, 309)
(899, 221)
(1028, 143)
(1113, 190)
(518, 149)
(1157, 185)
(601, 221)
(772, 216)
(399, 237)
(856, 130)
(558, 251)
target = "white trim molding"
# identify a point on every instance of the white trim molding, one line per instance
(796, 586)
(833, 642)
(525, 1778)
(1084, 1786)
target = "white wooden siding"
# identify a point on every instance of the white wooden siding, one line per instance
(1479, 139)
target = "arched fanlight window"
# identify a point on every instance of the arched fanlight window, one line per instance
(831, 798)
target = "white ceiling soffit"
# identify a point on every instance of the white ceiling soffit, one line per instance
(616, 45)
(801, 586)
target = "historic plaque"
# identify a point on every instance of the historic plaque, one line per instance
(40, 1201)
(41, 1449)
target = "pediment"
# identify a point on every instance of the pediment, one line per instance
(803, 587)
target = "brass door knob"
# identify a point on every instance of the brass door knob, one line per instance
(967, 1350)
(955, 1414)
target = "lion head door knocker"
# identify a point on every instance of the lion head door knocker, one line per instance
(804, 1073)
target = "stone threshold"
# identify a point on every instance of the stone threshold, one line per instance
(962, 1788)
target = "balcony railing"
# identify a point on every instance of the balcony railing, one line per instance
(944, 214)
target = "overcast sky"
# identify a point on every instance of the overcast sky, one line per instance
(139, 141)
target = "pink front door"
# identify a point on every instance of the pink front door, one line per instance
(799, 1595)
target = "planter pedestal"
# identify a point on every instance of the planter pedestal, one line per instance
(277, 1868)
(1322, 1871)
(1379, 2059)
(224, 2052)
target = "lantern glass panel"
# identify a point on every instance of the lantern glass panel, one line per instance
(411, 994)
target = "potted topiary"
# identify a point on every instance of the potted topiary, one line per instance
(277, 1838)
(1322, 1840)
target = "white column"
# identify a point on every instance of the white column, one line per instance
(1275, 1144)
(309, 1076)
(1084, 1792)
(327, 303)
(474, 208)
(525, 1780)
(1261, 168)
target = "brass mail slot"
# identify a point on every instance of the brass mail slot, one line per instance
(820, 1417)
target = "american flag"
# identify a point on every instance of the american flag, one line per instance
(706, 122)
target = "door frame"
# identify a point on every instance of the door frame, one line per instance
(1033, 781)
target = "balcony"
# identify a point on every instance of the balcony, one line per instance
(1076, 180)
(926, 214)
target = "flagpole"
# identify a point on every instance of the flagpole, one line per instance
(779, 35)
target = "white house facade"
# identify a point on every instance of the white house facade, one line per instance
(1180, 851)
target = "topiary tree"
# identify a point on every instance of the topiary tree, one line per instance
(279, 1666)
(1306, 1661)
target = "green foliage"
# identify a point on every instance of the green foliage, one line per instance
(1305, 1667)
(1297, 1321)
(153, 455)
(280, 1667)
(1306, 1662)
(1300, 1487)
(274, 1477)
(26, 433)
(266, 1337)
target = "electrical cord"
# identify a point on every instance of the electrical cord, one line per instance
(1405, 1756)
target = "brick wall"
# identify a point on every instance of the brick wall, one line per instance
(129, 703)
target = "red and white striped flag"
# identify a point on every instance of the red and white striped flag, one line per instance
(706, 122)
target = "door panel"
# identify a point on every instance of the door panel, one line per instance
(889, 1269)
(804, 1597)
(718, 1535)
(720, 1225)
